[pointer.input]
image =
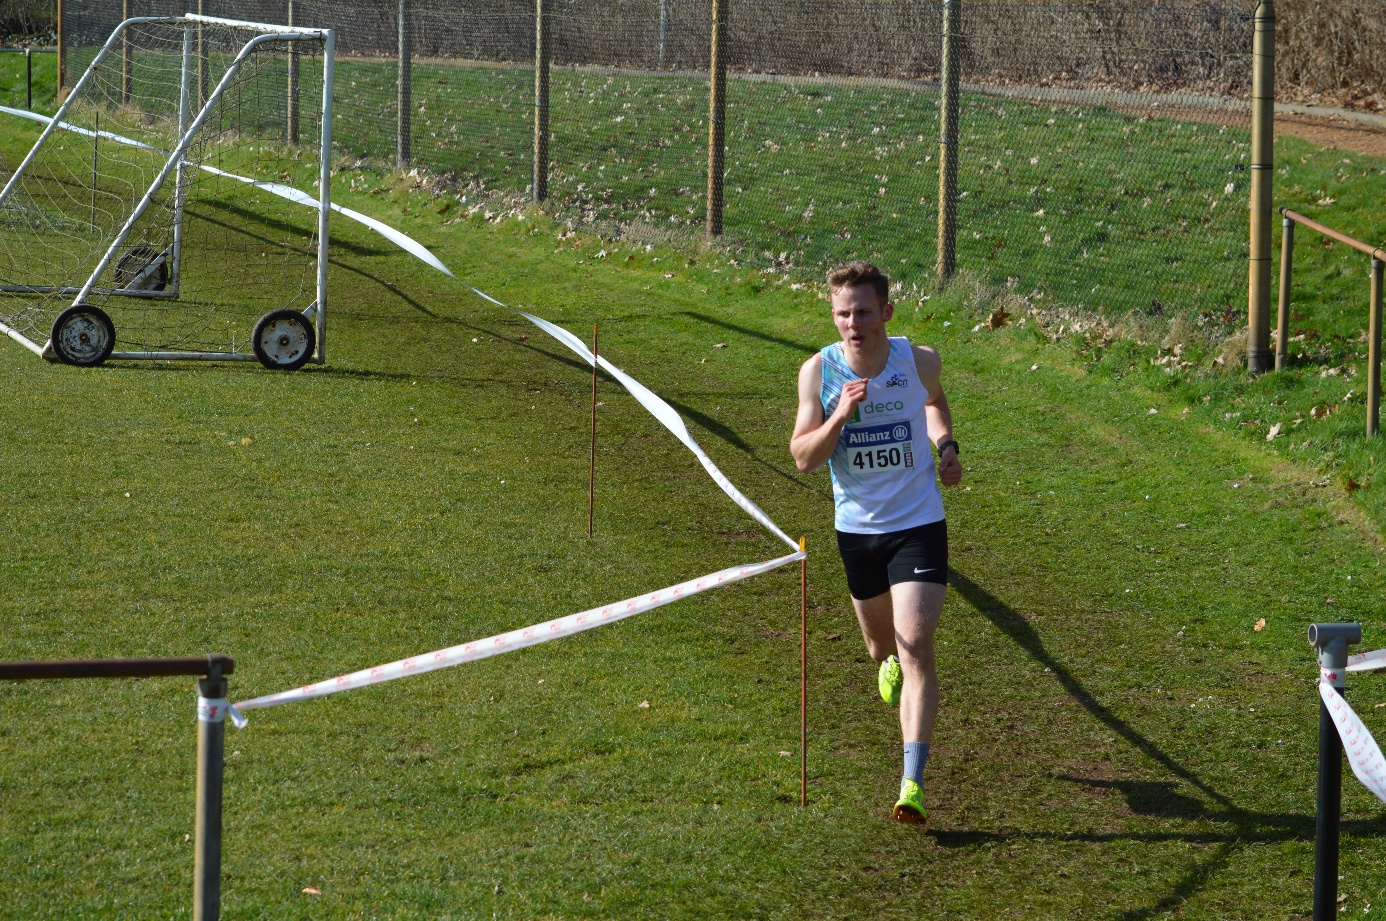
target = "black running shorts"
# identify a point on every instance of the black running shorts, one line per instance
(875, 562)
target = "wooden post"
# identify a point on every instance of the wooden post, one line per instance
(403, 127)
(948, 145)
(541, 100)
(592, 466)
(716, 128)
(291, 129)
(1282, 314)
(1258, 355)
(62, 48)
(204, 66)
(125, 75)
(1374, 352)
(803, 676)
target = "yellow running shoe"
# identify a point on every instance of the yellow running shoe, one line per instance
(889, 679)
(910, 808)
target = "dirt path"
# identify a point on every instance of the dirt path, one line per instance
(1333, 131)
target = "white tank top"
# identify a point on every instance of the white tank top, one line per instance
(883, 464)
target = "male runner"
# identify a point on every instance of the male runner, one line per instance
(868, 406)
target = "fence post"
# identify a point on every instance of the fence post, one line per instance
(1374, 353)
(1332, 641)
(291, 130)
(948, 145)
(1282, 315)
(28, 80)
(406, 54)
(663, 28)
(61, 49)
(211, 742)
(716, 128)
(541, 100)
(125, 56)
(1258, 356)
(204, 66)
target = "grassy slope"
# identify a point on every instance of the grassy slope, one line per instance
(1116, 741)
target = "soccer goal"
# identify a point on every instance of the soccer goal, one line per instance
(176, 206)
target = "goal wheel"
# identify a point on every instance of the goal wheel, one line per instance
(283, 340)
(83, 335)
(142, 269)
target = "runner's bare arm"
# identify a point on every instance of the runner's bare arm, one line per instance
(929, 367)
(815, 437)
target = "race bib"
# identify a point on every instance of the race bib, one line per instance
(874, 448)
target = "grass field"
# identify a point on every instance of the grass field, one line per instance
(1117, 741)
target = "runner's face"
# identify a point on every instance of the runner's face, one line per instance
(860, 317)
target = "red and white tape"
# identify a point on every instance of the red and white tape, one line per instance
(509, 642)
(1362, 751)
(1367, 661)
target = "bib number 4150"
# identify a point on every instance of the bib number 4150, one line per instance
(868, 459)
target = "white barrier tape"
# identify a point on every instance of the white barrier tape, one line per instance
(1362, 751)
(665, 414)
(1333, 676)
(1367, 661)
(509, 642)
(211, 709)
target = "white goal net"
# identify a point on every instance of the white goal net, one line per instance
(177, 203)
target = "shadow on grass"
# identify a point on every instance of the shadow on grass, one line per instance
(753, 333)
(1157, 799)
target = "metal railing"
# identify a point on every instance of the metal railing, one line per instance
(1378, 256)
(211, 672)
(28, 69)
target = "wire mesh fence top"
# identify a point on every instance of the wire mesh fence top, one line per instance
(1116, 128)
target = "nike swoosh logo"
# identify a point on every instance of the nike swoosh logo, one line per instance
(918, 571)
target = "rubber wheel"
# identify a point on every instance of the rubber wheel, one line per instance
(283, 340)
(131, 264)
(83, 336)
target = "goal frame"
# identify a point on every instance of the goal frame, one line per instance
(316, 312)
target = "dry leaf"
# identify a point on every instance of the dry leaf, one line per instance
(1274, 430)
(644, 704)
(998, 319)
(1352, 485)
(1260, 625)
(311, 890)
(833, 637)
(720, 345)
(1327, 201)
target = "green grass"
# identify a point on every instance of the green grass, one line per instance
(1116, 739)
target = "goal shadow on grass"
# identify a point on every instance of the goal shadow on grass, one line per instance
(1158, 799)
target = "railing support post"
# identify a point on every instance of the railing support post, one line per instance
(717, 112)
(28, 80)
(1374, 352)
(1332, 641)
(211, 750)
(1282, 316)
(1258, 357)
(541, 100)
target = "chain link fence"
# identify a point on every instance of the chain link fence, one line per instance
(1101, 152)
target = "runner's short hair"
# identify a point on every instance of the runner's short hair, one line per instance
(858, 273)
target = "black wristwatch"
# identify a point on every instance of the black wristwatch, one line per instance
(945, 443)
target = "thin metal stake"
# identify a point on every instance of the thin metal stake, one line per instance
(803, 676)
(592, 467)
(28, 80)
